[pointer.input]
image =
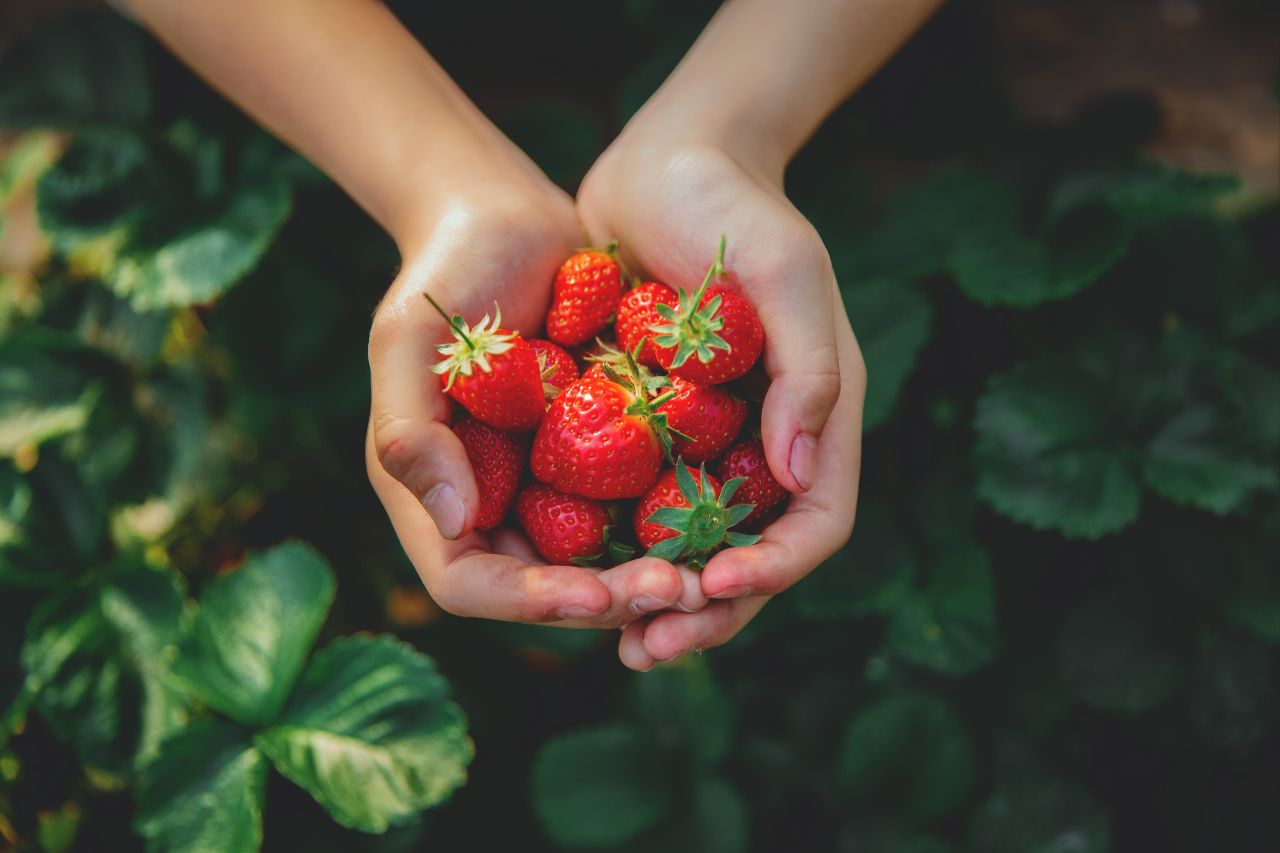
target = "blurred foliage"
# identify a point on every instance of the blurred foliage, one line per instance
(1055, 628)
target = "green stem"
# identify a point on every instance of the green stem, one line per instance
(452, 321)
(716, 270)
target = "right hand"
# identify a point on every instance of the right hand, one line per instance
(494, 243)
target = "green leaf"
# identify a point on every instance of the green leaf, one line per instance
(1114, 654)
(868, 575)
(920, 225)
(712, 819)
(43, 395)
(685, 710)
(908, 754)
(159, 234)
(600, 786)
(893, 320)
(1049, 452)
(995, 263)
(253, 631)
(1145, 192)
(79, 682)
(372, 734)
(205, 794)
(1197, 458)
(209, 255)
(949, 625)
(84, 68)
(1039, 815)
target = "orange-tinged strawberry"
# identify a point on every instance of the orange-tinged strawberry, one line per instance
(497, 458)
(713, 335)
(760, 489)
(637, 313)
(492, 372)
(682, 519)
(558, 367)
(584, 296)
(704, 418)
(566, 528)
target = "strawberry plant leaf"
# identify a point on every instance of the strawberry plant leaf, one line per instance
(713, 819)
(205, 792)
(909, 754)
(94, 668)
(371, 733)
(868, 575)
(1117, 655)
(1197, 458)
(162, 237)
(43, 395)
(84, 68)
(600, 786)
(684, 710)
(949, 624)
(253, 630)
(1049, 453)
(1039, 815)
(893, 320)
(1144, 192)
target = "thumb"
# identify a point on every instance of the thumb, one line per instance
(410, 439)
(804, 372)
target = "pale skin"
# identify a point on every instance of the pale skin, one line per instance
(477, 222)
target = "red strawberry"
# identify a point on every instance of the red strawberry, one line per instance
(566, 528)
(584, 296)
(602, 438)
(557, 367)
(497, 458)
(746, 459)
(637, 312)
(492, 372)
(712, 336)
(710, 417)
(681, 519)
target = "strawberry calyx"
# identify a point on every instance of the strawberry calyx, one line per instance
(704, 524)
(546, 372)
(691, 329)
(648, 392)
(472, 345)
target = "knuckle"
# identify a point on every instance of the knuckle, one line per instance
(392, 445)
(449, 601)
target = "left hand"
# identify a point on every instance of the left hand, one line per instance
(667, 204)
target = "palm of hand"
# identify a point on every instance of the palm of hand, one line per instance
(486, 251)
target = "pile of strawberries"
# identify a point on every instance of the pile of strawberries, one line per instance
(617, 419)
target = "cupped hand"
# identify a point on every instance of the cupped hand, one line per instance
(493, 244)
(667, 205)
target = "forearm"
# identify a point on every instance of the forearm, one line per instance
(346, 85)
(765, 73)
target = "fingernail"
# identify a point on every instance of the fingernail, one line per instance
(445, 507)
(648, 603)
(732, 592)
(804, 458)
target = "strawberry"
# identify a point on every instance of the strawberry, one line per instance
(557, 367)
(567, 528)
(584, 296)
(746, 459)
(681, 519)
(492, 372)
(603, 437)
(706, 419)
(497, 458)
(716, 324)
(637, 312)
